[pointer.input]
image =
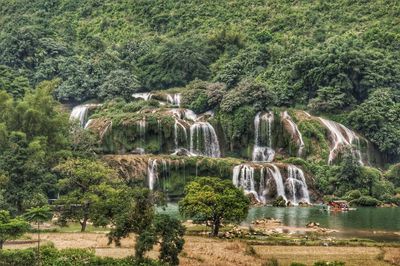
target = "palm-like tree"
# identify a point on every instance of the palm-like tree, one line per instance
(38, 215)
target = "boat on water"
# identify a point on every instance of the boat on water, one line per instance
(338, 206)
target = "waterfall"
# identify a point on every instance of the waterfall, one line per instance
(190, 115)
(80, 113)
(263, 153)
(142, 131)
(294, 188)
(341, 136)
(178, 125)
(262, 191)
(152, 175)
(296, 185)
(204, 140)
(277, 176)
(243, 177)
(295, 132)
(174, 99)
(143, 95)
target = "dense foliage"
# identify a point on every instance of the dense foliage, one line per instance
(215, 201)
(51, 256)
(328, 56)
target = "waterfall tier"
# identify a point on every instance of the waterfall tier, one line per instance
(340, 137)
(204, 140)
(80, 113)
(294, 132)
(272, 182)
(262, 150)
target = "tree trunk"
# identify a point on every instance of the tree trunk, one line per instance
(215, 228)
(38, 245)
(1, 244)
(83, 224)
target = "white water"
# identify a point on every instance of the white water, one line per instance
(190, 115)
(296, 185)
(152, 175)
(277, 176)
(142, 95)
(204, 140)
(178, 125)
(341, 136)
(263, 153)
(80, 113)
(142, 131)
(174, 99)
(243, 177)
(295, 132)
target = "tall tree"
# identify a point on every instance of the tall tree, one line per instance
(214, 200)
(171, 232)
(80, 189)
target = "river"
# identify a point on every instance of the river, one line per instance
(374, 223)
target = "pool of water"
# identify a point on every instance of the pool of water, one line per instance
(374, 223)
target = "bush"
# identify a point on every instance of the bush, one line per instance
(271, 262)
(352, 194)
(66, 257)
(326, 263)
(366, 201)
(279, 202)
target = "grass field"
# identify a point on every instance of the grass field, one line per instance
(210, 251)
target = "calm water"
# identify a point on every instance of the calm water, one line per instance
(363, 222)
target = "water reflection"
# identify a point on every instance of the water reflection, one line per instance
(387, 219)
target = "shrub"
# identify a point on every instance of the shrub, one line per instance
(279, 202)
(366, 201)
(353, 194)
(271, 262)
(327, 263)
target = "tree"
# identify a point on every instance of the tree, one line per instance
(80, 186)
(132, 211)
(378, 119)
(175, 64)
(213, 200)
(11, 228)
(38, 215)
(171, 232)
(119, 83)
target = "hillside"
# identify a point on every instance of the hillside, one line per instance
(309, 89)
(327, 57)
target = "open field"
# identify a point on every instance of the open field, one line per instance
(210, 251)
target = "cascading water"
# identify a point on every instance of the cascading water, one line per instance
(263, 153)
(80, 113)
(142, 131)
(152, 175)
(296, 186)
(243, 177)
(342, 136)
(174, 99)
(295, 132)
(190, 115)
(142, 95)
(178, 125)
(204, 140)
(157, 170)
(277, 176)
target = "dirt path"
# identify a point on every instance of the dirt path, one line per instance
(208, 251)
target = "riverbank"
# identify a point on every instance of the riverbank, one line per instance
(201, 250)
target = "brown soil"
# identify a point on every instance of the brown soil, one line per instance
(210, 251)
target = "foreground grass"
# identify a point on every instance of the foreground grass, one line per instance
(202, 250)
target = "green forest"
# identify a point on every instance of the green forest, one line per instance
(230, 61)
